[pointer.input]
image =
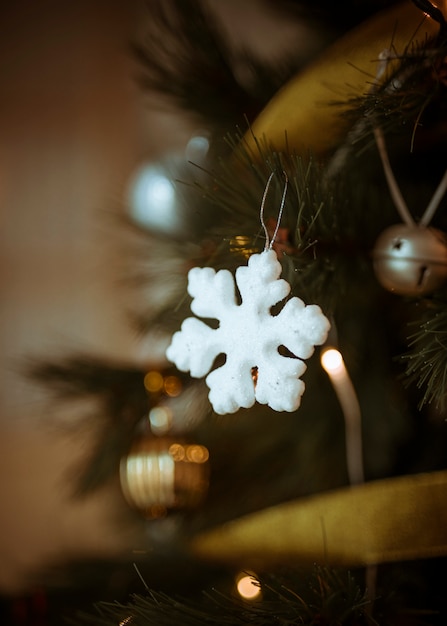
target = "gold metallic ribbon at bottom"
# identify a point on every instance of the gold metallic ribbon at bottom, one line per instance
(395, 519)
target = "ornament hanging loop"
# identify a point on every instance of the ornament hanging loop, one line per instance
(393, 186)
(269, 242)
(396, 194)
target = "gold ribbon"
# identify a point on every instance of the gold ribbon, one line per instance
(305, 107)
(383, 521)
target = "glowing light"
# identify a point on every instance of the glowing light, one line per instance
(153, 200)
(332, 361)
(160, 418)
(125, 621)
(177, 451)
(242, 245)
(197, 454)
(189, 453)
(173, 386)
(248, 586)
(153, 382)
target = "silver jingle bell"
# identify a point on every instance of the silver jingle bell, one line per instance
(411, 260)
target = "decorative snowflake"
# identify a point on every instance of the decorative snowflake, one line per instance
(249, 335)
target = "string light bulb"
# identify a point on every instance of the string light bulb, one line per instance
(334, 365)
(332, 362)
(248, 586)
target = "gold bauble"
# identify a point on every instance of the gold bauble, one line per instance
(164, 473)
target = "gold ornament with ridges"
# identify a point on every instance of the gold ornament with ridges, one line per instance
(160, 474)
(411, 260)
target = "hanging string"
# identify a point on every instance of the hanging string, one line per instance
(435, 201)
(269, 242)
(395, 192)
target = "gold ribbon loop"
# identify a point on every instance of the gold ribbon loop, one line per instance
(302, 116)
(389, 520)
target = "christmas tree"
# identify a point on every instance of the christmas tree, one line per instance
(332, 497)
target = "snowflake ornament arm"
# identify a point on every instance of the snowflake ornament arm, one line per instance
(249, 335)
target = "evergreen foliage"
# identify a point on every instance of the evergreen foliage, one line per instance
(326, 597)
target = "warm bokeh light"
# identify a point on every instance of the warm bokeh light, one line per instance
(177, 451)
(332, 361)
(248, 586)
(173, 386)
(153, 381)
(197, 454)
(243, 245)
(193, 453)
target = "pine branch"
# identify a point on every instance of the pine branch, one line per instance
(409, 102)
(427, 357)
(123, 401)
(321, 229)
(324, 597)
(185, 57)
(86, 375)
(154, 277)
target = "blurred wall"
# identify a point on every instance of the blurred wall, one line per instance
(69, 139)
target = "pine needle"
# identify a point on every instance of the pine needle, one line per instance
(427, 357)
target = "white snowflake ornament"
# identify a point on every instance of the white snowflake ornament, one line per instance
(249, 335)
